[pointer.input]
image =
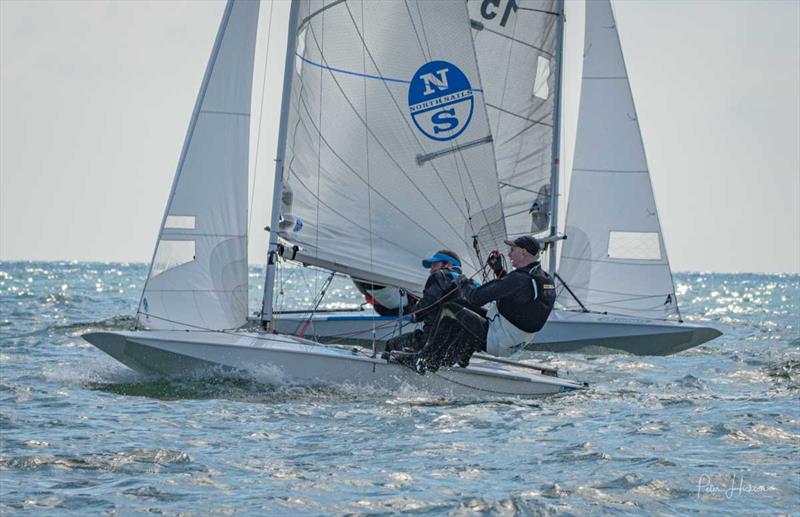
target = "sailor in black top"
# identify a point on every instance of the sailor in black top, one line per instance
(520, 303)
(440, 288)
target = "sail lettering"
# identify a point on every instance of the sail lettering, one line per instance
(440, 100)
(446, 118)
(511, 5)
(431, 79)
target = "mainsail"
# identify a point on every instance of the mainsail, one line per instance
(516, 42)
(198, 275)
(614, 259)
(388, 154)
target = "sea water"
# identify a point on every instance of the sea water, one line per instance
(713, 430)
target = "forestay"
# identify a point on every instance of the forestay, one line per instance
(198, 276)
(614, 259)
(388, 154)
(516, 44)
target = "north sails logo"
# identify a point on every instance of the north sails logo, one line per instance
(440, 100)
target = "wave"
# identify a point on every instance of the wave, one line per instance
(80, 327)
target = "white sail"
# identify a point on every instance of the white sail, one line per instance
(614, 259)
(516, 42)
(388, 152)
(198, 276)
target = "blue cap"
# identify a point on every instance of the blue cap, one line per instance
(440, 257)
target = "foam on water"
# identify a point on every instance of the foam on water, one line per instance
(713, 430)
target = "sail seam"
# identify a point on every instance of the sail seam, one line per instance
(641, 262)
(604, 78)
(234, 113)
(610, 171)
(172, 233)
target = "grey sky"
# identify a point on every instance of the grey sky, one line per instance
(95, 98)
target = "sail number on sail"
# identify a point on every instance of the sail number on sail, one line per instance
(491, 8)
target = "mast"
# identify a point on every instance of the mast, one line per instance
(291, 41)
(556, 140)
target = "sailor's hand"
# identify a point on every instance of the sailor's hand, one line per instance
(495, 262)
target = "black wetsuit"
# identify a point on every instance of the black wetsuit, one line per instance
(524, 297)
(523, 304)
(441, 287)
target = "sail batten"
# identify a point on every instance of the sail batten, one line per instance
(615, 259)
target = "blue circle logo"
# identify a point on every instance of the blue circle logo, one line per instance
(440, 100)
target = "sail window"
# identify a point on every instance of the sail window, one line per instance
(634, 245)
(300, 52)
(180, 222)
(172, 254)
(541, 87)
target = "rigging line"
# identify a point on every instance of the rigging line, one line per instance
(507, 112)
(520, 212)
(424, 35)
(319, 144)
(533, 9)
(489, 224)
(350, 72)
(525, 43)
(305, 20)
(516, 187)
(351, 169)
(408, 126)
(515, 135)
(366, 155)
(414, 26)
(542, 180)
(388, 154)
(260, 118)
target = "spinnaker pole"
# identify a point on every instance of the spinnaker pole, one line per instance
(556, 153)
(272, 255)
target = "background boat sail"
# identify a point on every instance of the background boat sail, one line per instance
(621, 294)
(372, 140)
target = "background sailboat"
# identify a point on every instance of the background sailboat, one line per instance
(617, 292)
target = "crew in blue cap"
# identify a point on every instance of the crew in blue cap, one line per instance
(440, 288)
(518, 304)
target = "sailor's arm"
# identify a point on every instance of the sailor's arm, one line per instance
(431, 296)
(495, 290)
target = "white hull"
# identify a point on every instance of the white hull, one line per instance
(565, 331)
(294, 361)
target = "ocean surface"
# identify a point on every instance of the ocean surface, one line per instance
(711, 431)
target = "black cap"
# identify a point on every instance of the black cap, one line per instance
(526, 242)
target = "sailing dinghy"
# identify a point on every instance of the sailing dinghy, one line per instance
(385, 152)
